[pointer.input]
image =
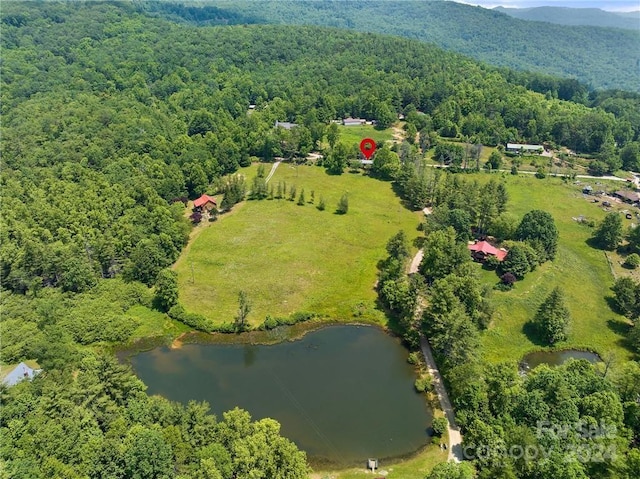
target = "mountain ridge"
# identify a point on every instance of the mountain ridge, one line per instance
(576, 16)
(603, 58)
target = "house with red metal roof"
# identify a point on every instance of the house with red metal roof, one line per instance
(481, 249)
(205, 202)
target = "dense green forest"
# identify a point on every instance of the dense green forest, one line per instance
(111, 118)
(603, 58)
(576, 16)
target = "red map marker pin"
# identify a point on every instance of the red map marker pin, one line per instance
(367, 147)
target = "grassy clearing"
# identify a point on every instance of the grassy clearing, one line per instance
(296, 258)
(583, 273)
(350, 135)
(415, 467)
(154, 324)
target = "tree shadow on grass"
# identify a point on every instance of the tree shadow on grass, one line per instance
(592, 243)
(619, 327)
(532, 333)
(398, 192)
(611, 302)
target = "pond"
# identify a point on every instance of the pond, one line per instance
(342, 393)
(556, 358)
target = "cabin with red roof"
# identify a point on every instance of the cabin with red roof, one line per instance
(205, 203)
(480, 250)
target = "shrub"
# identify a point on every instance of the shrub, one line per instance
(508, 280)
(541, 173)
(439, 426)
(272, 322)
(491, 262)
(343, 205)
(196, 321)
(423, 383)
(321, 204)
(414, 358)
(632, 261)
(196, 217)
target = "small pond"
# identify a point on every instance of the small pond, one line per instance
(556, 358)
(342, 393)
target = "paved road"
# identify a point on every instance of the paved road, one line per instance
(455, 438)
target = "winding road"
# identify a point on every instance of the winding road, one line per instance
(455, 438)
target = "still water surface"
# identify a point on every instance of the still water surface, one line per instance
(342, 393)
(556, 358)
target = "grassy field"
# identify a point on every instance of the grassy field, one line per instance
(415, 467)
(153, 323)
(582, 271)
(350, 135)
(291, 258)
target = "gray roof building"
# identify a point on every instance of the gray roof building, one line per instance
(20, 373)
(285, 124)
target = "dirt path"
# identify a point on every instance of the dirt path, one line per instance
(415, 262)
(398, 134)
(455, 438)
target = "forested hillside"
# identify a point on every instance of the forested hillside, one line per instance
(109, 117)
(600, 57)
(576, 16)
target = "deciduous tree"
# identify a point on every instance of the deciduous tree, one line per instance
(609, 233)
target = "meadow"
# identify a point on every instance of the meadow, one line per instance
(291, 258)
(353, 135)
(581, 271)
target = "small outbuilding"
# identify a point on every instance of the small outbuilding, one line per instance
(480, 250)
(21, 372)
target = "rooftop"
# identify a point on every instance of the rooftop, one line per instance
(487, 249)
(203, 200)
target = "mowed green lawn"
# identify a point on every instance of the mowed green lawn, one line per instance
(581, 271)
(350, 135)
(291, 258)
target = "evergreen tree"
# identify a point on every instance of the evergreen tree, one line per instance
(343, 205)
(553, 317)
